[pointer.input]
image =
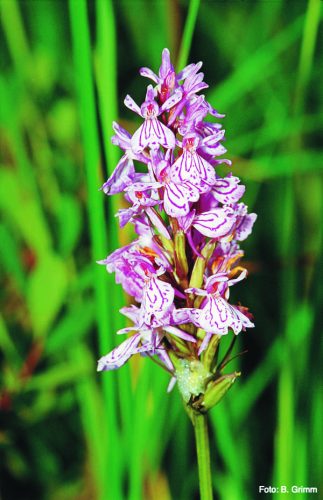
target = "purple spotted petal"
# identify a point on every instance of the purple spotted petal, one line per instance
(150, 94)
(125, 215)
(244, 227)
(120, 354)
(172, 100)
(215, 223)
(131, 312)
(157, 298)
(177, 198)
(216, 150)
(122, 176)
(122, 138)
(180, 316)
(186, 221)
(228, 190)
(131, 104)
(217, 316)
(189, 70)
(214, 139)
(166, 65)
(195, 169)
(148, 73)
(143, 186)
(152, 133)
(220, 277)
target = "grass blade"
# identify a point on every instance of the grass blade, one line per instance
(104, 301)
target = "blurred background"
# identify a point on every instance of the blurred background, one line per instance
(67, 432)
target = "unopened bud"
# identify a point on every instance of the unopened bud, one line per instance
(180, 254)
(216, 390)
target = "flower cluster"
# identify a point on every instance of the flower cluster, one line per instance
(189, 222)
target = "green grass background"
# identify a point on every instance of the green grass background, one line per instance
(67, 432)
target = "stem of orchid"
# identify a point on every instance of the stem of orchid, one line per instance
(203, 455)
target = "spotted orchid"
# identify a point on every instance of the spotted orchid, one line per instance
(189, 220)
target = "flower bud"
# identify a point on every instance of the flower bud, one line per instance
(216, 390)
(180, 253)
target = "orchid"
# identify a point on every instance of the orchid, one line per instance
(180, 151)
(189, 220)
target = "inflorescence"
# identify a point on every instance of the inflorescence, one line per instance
(189, 223)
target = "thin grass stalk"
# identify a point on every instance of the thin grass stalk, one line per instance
(15, 35)
(106, 80)
(310, 32)
(85, 88)
(188, 33)
(287, 439)
(91, 415)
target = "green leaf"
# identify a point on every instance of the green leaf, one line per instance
(257, 66)
(20, 207)
(70, 224)
(46, 292)
(72, 327)
(10, 257)
(283, 165)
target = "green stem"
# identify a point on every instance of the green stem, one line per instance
(203, 455)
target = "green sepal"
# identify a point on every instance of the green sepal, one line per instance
(216, 390)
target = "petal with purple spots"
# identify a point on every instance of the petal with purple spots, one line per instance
(152, 133)
(215, 223)
(217, 316)
(228, 190)
(158, 297)
(120, 354)
(244, 227)
(148, 73)
(177, 198)
(121, 177)
(131, 104)
(195, 169)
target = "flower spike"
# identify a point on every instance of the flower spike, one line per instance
(189, 221)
